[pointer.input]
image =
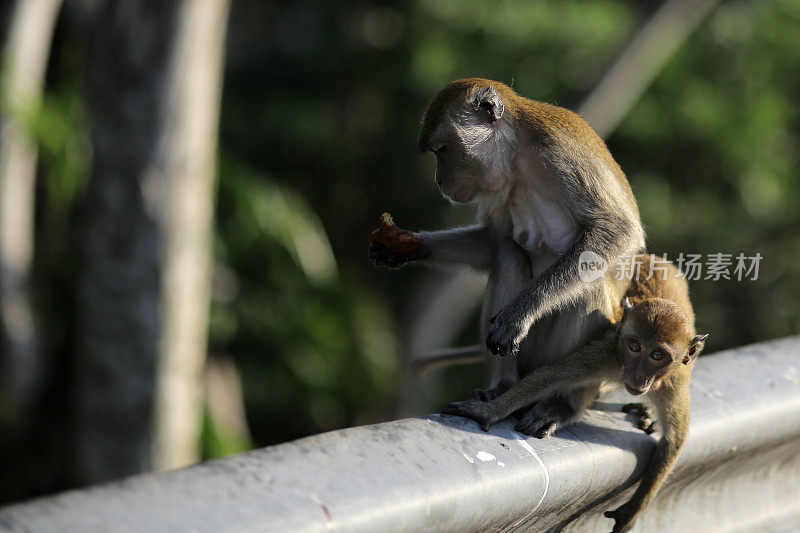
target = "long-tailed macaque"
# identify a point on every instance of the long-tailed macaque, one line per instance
(650, 351)
(547, 190)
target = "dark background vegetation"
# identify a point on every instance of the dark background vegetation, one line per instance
(321, 105)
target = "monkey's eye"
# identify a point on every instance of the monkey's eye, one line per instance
(634, 346)
(440, 149)
(657, 355)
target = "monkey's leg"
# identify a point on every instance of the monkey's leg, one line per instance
(511, 271)
(506, 374)
(645, 420)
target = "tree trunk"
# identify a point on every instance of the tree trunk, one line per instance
(155, 78)
(24, 65)
(187, 163)
(119, 322)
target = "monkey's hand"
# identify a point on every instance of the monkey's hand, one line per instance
(383, 256)
(474, 409)
(624, 517)
(508, 331)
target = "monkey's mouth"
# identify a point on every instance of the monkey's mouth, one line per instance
(457, 194)
(635, 390)
(454, 196)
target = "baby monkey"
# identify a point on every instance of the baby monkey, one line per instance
(650, 350)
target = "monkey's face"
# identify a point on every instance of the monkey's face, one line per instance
(460, 177)
(645, 363)
(655, 339)
(465, 129)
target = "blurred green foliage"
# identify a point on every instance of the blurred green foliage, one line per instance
(313, 349)
(320, 110)
(712, 153)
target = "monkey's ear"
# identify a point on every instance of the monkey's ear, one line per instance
(695, 348)
(489, 101)
(626, 305)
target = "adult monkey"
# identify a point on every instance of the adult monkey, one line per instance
(547, 190)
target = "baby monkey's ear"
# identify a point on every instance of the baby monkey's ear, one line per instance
(695, 348)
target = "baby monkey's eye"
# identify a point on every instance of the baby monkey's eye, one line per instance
(657, 355)
(440, 149)
(634, 346)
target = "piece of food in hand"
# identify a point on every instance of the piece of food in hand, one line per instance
(395, 239)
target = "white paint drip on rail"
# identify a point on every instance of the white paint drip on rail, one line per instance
(485, 456)
(530, 450)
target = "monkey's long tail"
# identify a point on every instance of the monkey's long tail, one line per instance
(448, 357)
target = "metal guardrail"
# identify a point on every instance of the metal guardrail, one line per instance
(739, 471)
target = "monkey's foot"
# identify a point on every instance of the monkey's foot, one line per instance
(485, 395)
(473, 409)
(537, 424)
(645, 420)
(545, 416)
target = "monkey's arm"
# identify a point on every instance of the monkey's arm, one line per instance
(472, 246)
(596, 361)
(672, 405)
(560, 283)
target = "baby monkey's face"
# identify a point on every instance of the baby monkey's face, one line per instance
(655, 339)
(645, 362)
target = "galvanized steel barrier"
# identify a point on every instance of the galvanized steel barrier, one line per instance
(740, 471)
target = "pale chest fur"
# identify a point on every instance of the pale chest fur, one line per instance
(538, 218)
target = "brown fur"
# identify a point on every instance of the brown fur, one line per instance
(547, 189)
(659, 317)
